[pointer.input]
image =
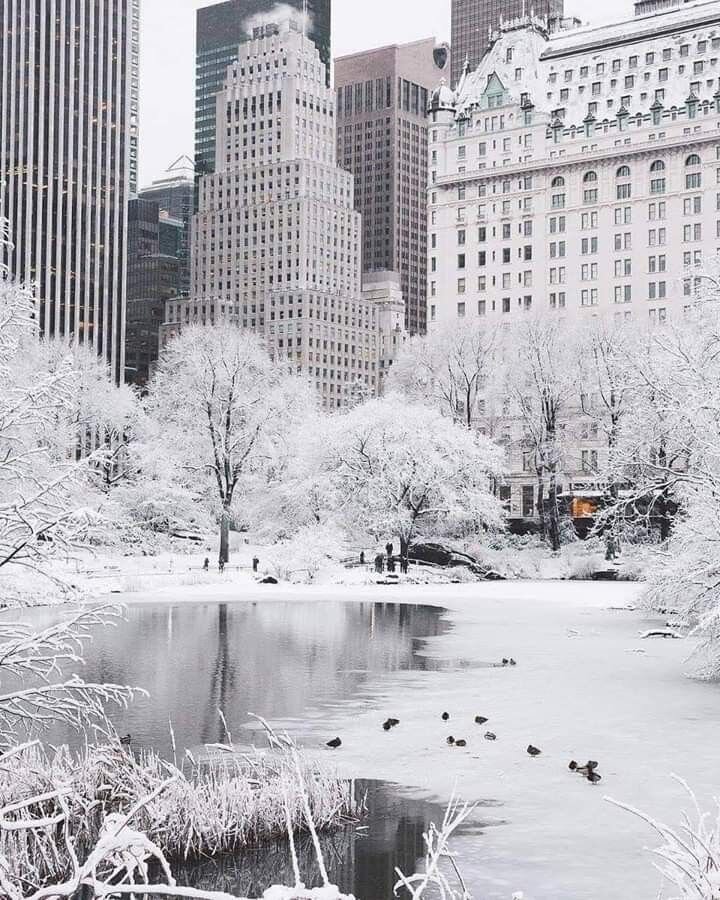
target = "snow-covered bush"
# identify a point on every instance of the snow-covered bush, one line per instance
(302, 557)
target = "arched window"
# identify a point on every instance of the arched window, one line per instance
(692, 160)
(590, 176)
(623, 172)
(558, 182)
(657, 166)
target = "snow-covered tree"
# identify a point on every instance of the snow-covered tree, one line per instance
(218, 407)
(397, 467)
(52, 396)
(542, 387)
(294, 492)
(454, 369)
(609, 391)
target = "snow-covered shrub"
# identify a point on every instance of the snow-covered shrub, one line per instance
(582, 568)
(301, 558)
(460, 575)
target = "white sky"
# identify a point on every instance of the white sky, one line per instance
(167, 62)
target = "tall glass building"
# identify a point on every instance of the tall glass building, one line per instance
(221, 28)
(68, 160)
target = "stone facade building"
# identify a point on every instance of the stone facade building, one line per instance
(276, 240)
(382, 102)
(68, 161)
(220, 29)
(577, 173)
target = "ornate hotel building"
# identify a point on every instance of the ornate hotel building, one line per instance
(68, 160)
(276, 240)
(473, 23)
(577, 172)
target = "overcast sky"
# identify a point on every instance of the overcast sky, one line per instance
(168, 46)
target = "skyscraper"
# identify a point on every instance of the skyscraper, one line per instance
(473, 21)
(220, 29)
(276, 240)
(174, 193)
(68, 160)
(382, 131)
(154, 270)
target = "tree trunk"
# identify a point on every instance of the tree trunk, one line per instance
(224, 556)
(404, 553)
(553, 519)
(541, 504)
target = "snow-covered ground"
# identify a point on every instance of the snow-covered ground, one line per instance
(586, 686)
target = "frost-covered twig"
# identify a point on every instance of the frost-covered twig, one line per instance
(690, 853)
(437, 849)
(34, 663)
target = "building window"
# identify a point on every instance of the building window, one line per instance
(461, 310)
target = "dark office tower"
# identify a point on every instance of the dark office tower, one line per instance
(174, 193)
(382, 138)
(220, 29)
(473, 22)
(154, 240)
(68, 160)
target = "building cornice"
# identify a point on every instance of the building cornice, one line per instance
(580, 160)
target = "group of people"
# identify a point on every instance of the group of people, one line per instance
(387, 561)
(221, 565)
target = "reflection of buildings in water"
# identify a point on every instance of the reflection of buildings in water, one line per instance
(361, 862)
(276, 659)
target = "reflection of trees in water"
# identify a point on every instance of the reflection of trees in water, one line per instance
(361, 861)
(277, 659)
(222, 681)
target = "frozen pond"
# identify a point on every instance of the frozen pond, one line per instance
(320, 666)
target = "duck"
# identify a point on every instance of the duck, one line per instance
(126, 740)
(451, 740)
(585, 770)
(533, 751)
(390, 723)
(489, 736)
(593, 777)
(461, 743)
(481, 720)
(334, 743)
(445, 716)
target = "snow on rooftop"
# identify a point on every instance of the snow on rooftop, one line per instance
(625, 65)
(634, 29)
